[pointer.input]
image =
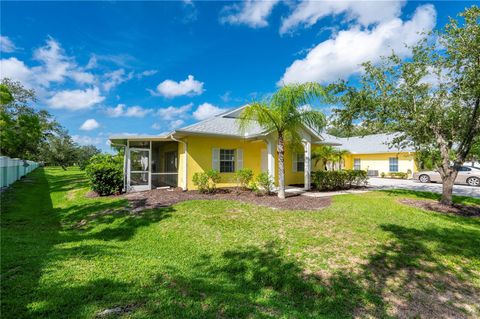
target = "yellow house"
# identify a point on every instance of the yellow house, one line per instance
(373, 154)
(218, 143)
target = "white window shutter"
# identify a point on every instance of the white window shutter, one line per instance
(216, 159)
(239, 159)
(294, 162)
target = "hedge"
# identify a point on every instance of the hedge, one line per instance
(336, 180)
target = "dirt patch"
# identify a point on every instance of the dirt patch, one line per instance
(162, 198)
(458, 209)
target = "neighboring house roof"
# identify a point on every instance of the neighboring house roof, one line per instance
(372, 144)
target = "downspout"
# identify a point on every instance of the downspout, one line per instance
(185, 161)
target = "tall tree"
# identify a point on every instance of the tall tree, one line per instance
(22, 128)
(84, 154)
(432, 98)
(284, 114)
(59, 150)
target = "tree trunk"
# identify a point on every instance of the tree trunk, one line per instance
(281, 166)
(447, 189)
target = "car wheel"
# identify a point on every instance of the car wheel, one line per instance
(473, 181)
(424, 178)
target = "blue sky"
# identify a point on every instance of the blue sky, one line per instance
(104, 68)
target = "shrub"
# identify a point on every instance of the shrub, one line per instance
(382, 175)
(335, 180)
(264, 183)
(206, 182)
(243, 177)
(105, 173)
(397, 175)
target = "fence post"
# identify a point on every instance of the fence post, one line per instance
(3, 171)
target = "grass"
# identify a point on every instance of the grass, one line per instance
(67, 256)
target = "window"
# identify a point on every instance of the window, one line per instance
(393, 164)
(356, 164)
(227, 161)
(300, 162)
(464, 169)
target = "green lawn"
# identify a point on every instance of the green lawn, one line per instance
(67, 256)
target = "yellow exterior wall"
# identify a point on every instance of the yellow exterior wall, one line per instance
(200, 160)
(380, 162)
(200, 156)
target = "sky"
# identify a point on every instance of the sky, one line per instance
(109, 68)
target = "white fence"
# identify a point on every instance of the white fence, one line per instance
(12, 169)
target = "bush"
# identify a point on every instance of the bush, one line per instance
(336, 180)
(105, 173)
(382, 175)
(264, 183)
(243, 177)
(206, 182)
(397, 175)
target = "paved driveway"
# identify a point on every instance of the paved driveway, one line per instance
(387, 183)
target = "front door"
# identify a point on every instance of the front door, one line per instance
(139, 169)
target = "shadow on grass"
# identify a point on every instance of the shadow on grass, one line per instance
(33, 236)
(420, 272)
(433, 196)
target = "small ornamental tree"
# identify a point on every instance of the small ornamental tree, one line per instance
(433, 99)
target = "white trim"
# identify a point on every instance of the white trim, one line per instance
(238, 159)
(216, 159)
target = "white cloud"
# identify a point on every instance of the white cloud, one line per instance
(114, 78)
(15, 69)
(172, 112)
(170, 88)
(308, 12)
(6, 45)
(146, 73)
(132, 111)
(54, 67)
(250, 12)
(206, 110)
(176, 123)
(156, 126)
(75, 99)
(86, 140)
(341, 56)
(89, 125)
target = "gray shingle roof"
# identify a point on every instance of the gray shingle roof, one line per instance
(220, 125)
(372, 144)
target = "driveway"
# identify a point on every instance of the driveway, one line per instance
(387, 183)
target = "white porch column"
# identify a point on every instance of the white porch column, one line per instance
(307, 164)
(271, 158)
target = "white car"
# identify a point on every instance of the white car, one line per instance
(466, 175)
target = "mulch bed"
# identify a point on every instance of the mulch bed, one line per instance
(458, 209)
(166, 197)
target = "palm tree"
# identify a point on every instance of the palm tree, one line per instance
(324, 154)
(284, 113)
(338, 155)
(329, 154)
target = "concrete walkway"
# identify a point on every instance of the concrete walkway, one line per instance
(386, 183)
